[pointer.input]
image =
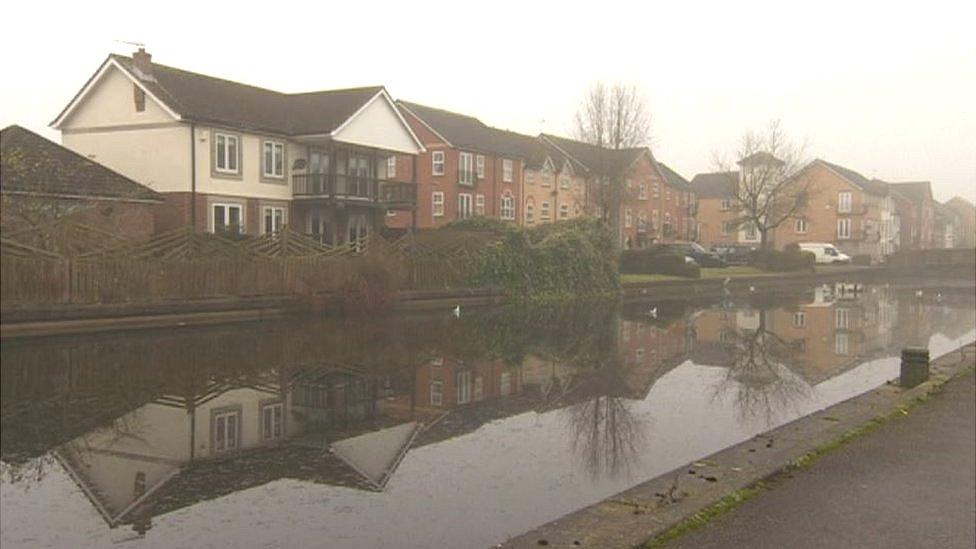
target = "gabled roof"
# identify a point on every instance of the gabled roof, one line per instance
(715, 184)
(915, 191)
(959, 203)
(31, 164)
(201, 98)
(594, 158)
(872, 186)
(467, 132)
(674, 178)
(760, 157)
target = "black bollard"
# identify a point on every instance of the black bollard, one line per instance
(914, 366)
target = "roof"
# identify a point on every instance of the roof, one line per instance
(213, 100)
(872, 186)
(674, 178)
(31, 164)
(915, 191)
(595, 158)
(715, 184)
(960, 203)
(467, 132)
(761, 157)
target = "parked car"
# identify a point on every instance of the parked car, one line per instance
(734, 254)
(825, 253)
(694, 250)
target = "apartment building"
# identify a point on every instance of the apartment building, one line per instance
(916, 211)
(467, 169)
(652, 207)
(716, 208)
(229, 157)
(966, 216)
(554, 184)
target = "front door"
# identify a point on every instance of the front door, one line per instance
(464, 206)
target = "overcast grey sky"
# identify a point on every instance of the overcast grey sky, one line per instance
(882, 88)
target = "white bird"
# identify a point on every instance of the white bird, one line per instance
(752, 288)
(653, 312)
(726, 281)
(918, 293)
(457, 311)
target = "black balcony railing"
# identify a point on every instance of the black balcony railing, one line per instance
(323, 185)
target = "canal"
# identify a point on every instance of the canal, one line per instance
(438, 430)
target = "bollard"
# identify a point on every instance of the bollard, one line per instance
(914, 366)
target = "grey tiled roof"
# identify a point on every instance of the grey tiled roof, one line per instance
(715, 185)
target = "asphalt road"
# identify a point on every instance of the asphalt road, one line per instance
(910, 483)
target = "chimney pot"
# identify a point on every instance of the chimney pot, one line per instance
(143, 61)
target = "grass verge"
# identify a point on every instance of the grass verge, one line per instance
(737, 497)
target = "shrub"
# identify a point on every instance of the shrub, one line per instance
(657, 260)
(552, 262)
(788, 260)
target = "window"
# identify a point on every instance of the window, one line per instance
(628, 218)
(227, 218)
(271, 421)
(506, 170)
(436, 393)
(529, 212)
(464, 206)
(391, 167)
(564, 182)
(274, 219)
(508, 207)
(530, 176)
(544, 211)
(226, 152)
(844, 202)
(546, 176)
(437, 203)
(842, 319)
(800, 225)
(656, 189)
(506, 384)
(479, 391)
(840, 343)
(480, 166)
(844, 228)
(667, 194)
(564, 211)
(479, 204)
(225, 430)
(642, 191)
(273, 160)
(463, 387)
(799, 319)
(751, 232)
(639, 356)
(465, 169)
(642, 221)
(437, 163)
(726, 204)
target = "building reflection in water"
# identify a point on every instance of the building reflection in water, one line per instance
(149, 423)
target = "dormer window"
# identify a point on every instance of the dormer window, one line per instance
(139, 98)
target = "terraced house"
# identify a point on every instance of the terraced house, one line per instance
(554, 184)
(467, 169)
(232, 157)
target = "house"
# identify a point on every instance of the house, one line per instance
(631, 188)
(916, 212)
(945, 223)
(554, 184)
(716, 194)
(467, 169)
(845, 208)
(233, 157)
(41, 181)
(966, 221)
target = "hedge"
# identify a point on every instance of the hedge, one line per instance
(790, 259)
(657, 260)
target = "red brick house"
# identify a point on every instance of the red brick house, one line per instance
(468, 169)
(41, 181)
(916, 212)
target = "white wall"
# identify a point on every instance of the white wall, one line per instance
(378, 126)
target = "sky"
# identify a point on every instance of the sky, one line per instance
(885, 88)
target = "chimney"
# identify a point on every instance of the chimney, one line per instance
(143, 62)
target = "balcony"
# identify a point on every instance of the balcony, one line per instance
(353, 188)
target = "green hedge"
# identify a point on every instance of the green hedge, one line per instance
(788, 260)
(552, 262)
(657, 260)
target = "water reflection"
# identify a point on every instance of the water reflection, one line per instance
(146, 424)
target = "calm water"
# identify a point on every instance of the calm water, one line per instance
(421, 431)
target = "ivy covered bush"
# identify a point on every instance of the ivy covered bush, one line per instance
(657, 260)
(552, 262)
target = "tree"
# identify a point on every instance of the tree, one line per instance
(769, 191)
(613, 119)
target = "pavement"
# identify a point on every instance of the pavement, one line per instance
(909, 483)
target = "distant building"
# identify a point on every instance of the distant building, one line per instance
(41, 181)
(916, 211)
(966, 218)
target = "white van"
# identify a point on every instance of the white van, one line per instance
(825, 253)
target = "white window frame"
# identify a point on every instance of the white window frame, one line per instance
(544, 212)
(529, 212)
(227, 207)
(463, 387)
(845, 202)
(800, 226)
(725, 205)
(564, 211)
(479, 204)
(530, 177)
(799, 319)
(268, 168)
(508, 207)
(226, 158)
(546, 176)
(465, 205)
(565, 182)
(842, 318)
(436, 396)
(437, 162)
(277, 410)
(437, 204)
(466, 176)
(479, 166)
(628, 218)
(841, 343)
(642, 191)
(273, 210)
(391, 167)
(844, 228)
(225, 415)
(508, 170)
(505, 384)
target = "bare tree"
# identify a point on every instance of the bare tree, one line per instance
(612, 118)
(769, 191)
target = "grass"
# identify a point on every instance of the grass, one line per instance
(708, 273)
